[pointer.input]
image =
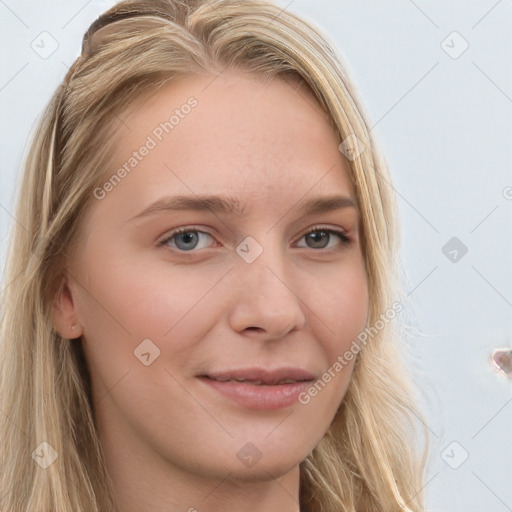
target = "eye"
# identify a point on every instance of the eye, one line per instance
(188, 239)
(319, 238)
(185, 239)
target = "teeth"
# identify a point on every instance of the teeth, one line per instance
(254, 382)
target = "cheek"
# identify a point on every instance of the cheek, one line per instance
(132, 301)
(124, 305)
(344, 304)
(344, 309)
(144, 298)
(170, 300)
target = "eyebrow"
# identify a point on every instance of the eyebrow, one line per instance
(230, 206)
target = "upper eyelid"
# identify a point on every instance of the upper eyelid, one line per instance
(183, 229)
(174, 232)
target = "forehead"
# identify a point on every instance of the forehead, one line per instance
(229, 134)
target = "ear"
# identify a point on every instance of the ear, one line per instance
(64, 312)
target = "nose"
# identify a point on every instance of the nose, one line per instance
(266, 305)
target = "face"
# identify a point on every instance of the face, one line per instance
(264, 283)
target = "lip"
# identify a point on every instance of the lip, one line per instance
(270, 394)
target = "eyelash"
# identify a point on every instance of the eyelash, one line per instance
(345, 239)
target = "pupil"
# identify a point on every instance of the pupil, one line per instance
(186, 238)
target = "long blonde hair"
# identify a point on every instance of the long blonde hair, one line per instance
(368, 461)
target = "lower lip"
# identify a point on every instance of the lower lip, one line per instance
(252, 396)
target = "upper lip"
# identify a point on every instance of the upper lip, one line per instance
(262, 375)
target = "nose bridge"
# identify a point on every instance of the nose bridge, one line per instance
(263, 261)
(266, 299)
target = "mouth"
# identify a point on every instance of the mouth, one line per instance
(256, 382)
(260, 389)
(261, 376)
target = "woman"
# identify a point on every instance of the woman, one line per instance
(200, 301)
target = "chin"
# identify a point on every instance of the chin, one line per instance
(270, 462)
(264, 471)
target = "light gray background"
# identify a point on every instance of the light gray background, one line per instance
(444, 124)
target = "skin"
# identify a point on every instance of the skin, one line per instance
(170, 441)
